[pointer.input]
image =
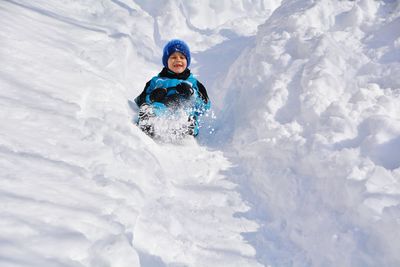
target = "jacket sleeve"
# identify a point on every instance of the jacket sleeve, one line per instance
(203, 102)
(203, 92)
(140, 99)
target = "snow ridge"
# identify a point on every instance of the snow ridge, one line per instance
(323, 84)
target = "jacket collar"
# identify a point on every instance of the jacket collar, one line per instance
(172, 75)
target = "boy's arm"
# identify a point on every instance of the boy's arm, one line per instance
(202, 102)
(203, 92)
(140, 99)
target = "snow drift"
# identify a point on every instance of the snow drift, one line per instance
(303, 167)
(315, 126)
(81, 185)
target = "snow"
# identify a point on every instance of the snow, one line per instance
(300, 166)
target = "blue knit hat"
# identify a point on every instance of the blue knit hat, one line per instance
(175, 45)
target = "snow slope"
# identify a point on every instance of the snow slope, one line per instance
(303, 168)
(319, 149)
(80, 184)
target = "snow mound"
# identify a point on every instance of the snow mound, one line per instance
(314, 109)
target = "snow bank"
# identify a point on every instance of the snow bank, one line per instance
(206, 23)
(315, 126)
(81, 185)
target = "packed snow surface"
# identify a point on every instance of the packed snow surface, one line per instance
(298, 164)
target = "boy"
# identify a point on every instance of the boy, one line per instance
(174, 89)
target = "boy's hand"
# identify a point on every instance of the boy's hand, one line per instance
(184, 89)
(158, 95)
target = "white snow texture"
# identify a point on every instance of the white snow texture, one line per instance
(300, 166)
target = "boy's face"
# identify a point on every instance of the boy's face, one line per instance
(177, 62)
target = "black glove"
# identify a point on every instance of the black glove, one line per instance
(158, 95)
(184, 89)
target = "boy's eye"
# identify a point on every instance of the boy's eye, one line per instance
(178, 57)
